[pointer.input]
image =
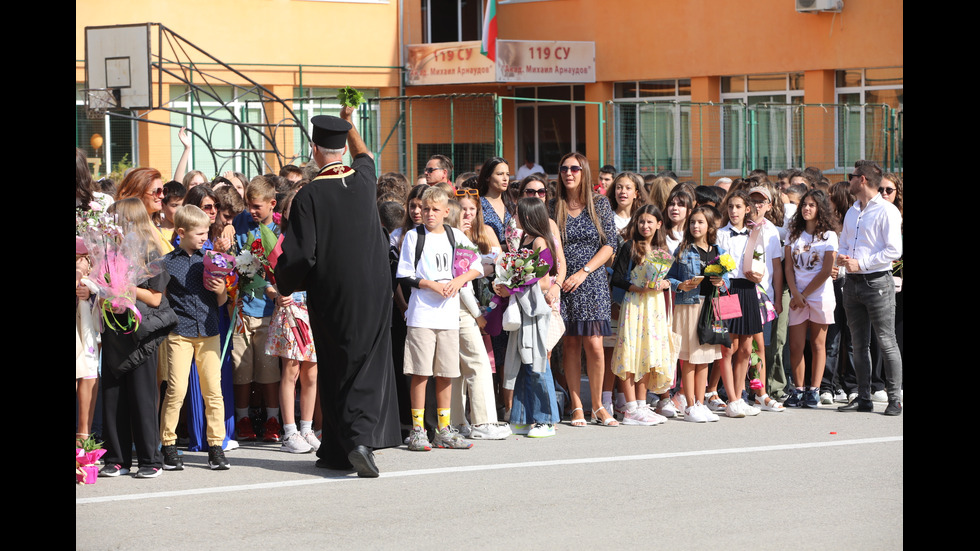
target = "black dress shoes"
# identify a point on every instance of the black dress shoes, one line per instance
(362, 457)
(858, 404)
(894, 408)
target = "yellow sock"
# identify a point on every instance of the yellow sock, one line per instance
(443, 415)
(418, 418)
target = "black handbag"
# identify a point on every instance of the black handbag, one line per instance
(711, 330)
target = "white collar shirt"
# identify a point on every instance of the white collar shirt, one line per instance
(872, 235)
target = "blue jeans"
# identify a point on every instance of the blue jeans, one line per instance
(869, 302)
(534, 398)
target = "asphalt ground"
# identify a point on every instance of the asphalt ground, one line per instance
(806, 479)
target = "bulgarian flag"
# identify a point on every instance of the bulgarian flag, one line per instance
(489, 45)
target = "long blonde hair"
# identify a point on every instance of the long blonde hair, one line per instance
(131, 215)
(585, 197)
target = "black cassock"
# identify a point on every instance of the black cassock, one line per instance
(335, 250)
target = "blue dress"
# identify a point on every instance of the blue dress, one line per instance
(491, 219)
(587, 311)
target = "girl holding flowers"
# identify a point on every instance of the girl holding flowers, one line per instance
(687, 277)
(130, 356)
(643, 352)
(535, 408)
(811, 252)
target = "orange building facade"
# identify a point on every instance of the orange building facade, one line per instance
(702, 87)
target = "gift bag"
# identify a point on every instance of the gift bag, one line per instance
(726, 306)
(710, 329)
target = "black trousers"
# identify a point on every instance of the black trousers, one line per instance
(129, 412)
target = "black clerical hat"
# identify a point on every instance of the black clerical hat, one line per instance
(330, 132)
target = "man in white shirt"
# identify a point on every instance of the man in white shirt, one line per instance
(529, 167)
(870, 241)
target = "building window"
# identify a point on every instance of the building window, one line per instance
(546, 131)
(452, 20)
(866, 128)
(653, 126)
(323, 101)
(762, 122)
(227, 140)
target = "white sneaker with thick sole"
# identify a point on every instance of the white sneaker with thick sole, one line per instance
(484, 431)
(749, 409)
(826, 398)
(541, 430)
(881, 397)
(694, 414)
(666, 408)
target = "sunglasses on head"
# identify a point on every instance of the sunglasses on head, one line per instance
(574, 168)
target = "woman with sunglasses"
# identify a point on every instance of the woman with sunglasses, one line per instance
(588, 235)
(219, 235)
(146, 184)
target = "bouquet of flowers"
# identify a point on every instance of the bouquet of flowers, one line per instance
(520, 269)
(217, 265)
(119, 264)
(252, 264)
(652, 270)
(464, 258)
(720, 266)
(517, 271)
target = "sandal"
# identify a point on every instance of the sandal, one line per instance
(714, 402)
(578, 422)
(609, 421)
(767, 403)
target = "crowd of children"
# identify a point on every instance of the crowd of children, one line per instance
(664, 289)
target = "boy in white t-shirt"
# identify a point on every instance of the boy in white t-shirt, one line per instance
(432, 340)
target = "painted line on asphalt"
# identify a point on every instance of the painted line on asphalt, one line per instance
(493, 467)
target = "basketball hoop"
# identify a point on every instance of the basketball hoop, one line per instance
(98, 101)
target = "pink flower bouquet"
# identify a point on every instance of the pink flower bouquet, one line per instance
(86, 470)
(217, 265)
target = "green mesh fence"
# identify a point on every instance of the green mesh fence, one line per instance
(704, 142)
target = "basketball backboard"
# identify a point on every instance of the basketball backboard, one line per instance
(117, 57)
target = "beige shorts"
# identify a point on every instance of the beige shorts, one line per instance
(252, 364)
(432, 352)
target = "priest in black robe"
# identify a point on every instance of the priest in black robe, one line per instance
(335, 250)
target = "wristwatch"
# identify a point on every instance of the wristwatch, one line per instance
(587, 270)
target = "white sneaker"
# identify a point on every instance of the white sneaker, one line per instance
(880, 396)
(851, 397)
(826, 398)
(749, 410)
(503, 430)
(734, 409)
(695, 414)
(521, 430)
(312, 440)
(680, 402)
(484, 431)
(541, 430)
(296, 444)
(708, 414)
(639, 416)
(666, 408)
(231, 445)
(653, 414)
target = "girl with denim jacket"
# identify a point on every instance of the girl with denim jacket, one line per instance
(694, 253)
